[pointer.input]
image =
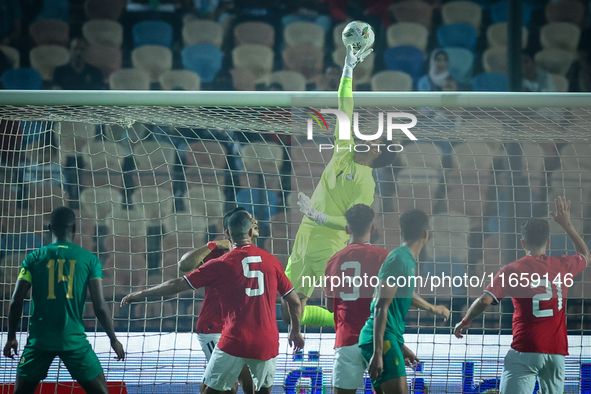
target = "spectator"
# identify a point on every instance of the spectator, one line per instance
(78, 75)
(207, 9)
(10, 22)
(535, 79)
(439, 77)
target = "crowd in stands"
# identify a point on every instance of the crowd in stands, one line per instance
(426, 45)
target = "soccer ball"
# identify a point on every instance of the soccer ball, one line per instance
(358, 34)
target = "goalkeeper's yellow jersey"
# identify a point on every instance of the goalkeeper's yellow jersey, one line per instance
(343, 184)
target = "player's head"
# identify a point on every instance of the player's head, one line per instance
(535, 234)
(240, 209)
(360, 220)
(62, 223)
(414, 227)
(241, 227)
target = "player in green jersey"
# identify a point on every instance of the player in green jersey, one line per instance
(60, 275)
(381, 341)
(346, 181)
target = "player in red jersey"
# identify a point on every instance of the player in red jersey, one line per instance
(539, 322)
(210, 323)
(351, 303)
(247, 280)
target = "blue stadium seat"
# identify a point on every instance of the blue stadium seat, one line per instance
(203, 59)
(155, 32)
(499, 12)
(461, 64)
(490, 82)
(55, 9)
(405, 58)
(260, 203)
(19, 243)
(462, 35)
(22, 78)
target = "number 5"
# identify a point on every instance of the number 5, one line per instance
(260, 290)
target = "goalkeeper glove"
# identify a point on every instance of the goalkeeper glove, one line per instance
(307, 208)
(352, 59)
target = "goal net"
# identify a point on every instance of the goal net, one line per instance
(150, 175)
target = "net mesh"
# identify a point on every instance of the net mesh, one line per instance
(151, 183)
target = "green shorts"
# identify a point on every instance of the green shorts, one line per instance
(393, 361)
(82, 363)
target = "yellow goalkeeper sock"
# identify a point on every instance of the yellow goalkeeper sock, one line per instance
(317, 316)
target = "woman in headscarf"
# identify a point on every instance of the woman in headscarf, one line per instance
(439, 77)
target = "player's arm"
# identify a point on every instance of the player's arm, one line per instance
(562, 217)
(385, 295)
(193, 259)
(475, 310)
(295, 311)
(15, 311)
(103, 314)
(170, 287)
(419, 302)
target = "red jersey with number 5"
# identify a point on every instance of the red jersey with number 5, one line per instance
(210, 317)
(538, 286)
(352, 300)
(247, 280)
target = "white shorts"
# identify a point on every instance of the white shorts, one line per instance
(208, 343)
(348, 368)
(223, 370)
(521, 369)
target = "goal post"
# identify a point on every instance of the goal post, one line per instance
(150, 174)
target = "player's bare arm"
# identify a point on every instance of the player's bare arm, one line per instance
(15, 311)
(475, 310)
(103, 314)
(562, 217)
(295, 338)
(410, 359)
(170, 287)
(385, 296)
(419, 302)
(192, 260)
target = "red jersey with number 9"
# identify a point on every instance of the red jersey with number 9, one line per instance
(247, 280)
(538, 286)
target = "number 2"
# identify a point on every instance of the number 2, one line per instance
(60, 277)
(537, 312)
(260, 277)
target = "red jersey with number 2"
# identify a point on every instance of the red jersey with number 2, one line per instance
(210, 317)
(352, 302)
(247, 280)
(538, 286)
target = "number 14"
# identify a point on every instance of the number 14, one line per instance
(60, 277)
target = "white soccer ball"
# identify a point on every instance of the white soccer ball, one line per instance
(358, 34)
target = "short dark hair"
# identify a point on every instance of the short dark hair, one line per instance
(239, 224)
(359, 219)
(230, 213)
(62, 221)
(413, 224)
(535, 232)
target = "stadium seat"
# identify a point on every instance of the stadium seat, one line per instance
(462, 35)
(203, 59)
(416, 188)
(129, 79)
(12, 54)
(243, 80)
(153, 32)
(122, 244)
(576, 156)
(555, 61)
(337, 32)
(494, 60)
(19, 243)
(153, 59)
(408, 59)
(258, 59)
(129, 223)
(571, 11)
(304, 33)
(489, 82)
(391, 81)
(461, 63)
(97, 203)
(186, 223)
(560, 35)
(449, 237)
(421, 155)
(104, 9)
(561, 83)
(413, 11)
(180, 79)
(153, 202)
(532, 165)
(154, 161)
(497, 35)
(254, 33)
(50, 32)
(107, 58)
(305, 59)
(55, 9)
(22, 78)
(103, 159)
(203, 32)
(462, 12)
(260, 202)
(206, 162)
(362, 72)
(289, 80)
(103, 32)
(207, 202)
(499, 12)
(407, 33)
(45, 58)
(73, 136)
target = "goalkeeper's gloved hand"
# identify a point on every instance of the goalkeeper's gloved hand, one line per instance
(307, 208)
(352, 59)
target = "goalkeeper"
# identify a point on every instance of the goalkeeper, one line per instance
(347, 180)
